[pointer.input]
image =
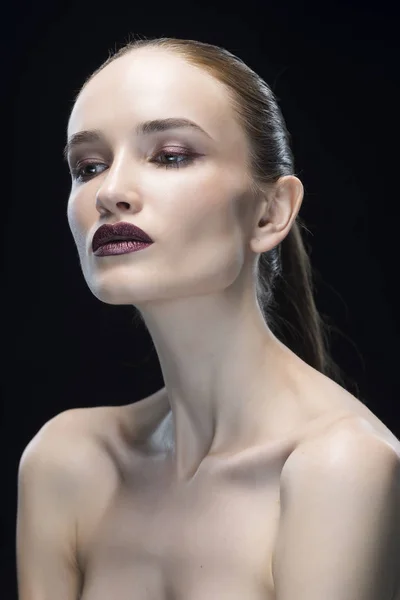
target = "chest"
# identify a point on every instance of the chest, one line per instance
(211, 538)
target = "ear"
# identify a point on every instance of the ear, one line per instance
(278, 213)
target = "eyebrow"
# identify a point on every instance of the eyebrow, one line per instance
(144, 128)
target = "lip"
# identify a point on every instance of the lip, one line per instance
(118, 232)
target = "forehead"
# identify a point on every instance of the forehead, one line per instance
(151, 84)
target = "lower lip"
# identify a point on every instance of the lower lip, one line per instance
(124, 247)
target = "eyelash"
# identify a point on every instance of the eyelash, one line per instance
(188, 157)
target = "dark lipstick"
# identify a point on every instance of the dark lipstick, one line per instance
(120, 232)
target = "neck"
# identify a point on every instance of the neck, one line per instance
(224, 373)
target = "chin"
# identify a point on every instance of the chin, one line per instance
(110, 295)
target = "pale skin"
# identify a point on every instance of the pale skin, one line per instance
(194, 285)
(265, 479)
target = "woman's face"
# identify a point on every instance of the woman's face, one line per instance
(188, 190)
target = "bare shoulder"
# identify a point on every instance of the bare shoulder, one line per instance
(343, 417)
(56, 433)
(74, 424)
(66, 471)
(97, 447)
(84, 435)
(348, 436)
(79, 447)
(70, 441)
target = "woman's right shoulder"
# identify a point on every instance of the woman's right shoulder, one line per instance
(83, 440)
(69, 463)
(71, 440)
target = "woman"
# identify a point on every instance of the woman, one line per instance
(247, 475)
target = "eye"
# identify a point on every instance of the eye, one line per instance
(78, 171)
(171, 161)
(186, 157)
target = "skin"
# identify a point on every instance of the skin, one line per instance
(195, 286)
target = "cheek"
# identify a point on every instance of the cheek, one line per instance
(76, 222)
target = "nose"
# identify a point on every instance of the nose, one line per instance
(112, 203)
(117, 191)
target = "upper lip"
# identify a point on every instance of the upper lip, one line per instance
(117, 232)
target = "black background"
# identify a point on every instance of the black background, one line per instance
(334, 68)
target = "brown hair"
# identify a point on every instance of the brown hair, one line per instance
(284, 275)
